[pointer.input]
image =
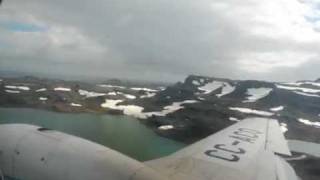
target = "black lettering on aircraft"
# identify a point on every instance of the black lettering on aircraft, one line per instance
(231, 157)
(246, 134)
(230, 153)
(235, 143)
(221, 147)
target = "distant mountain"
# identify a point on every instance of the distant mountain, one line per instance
(221, 102)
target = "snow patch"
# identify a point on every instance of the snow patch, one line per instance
(309, 123)
(12, 91)
(257, 93)
(148, 95)
(136, 111)
(112, 104)
(62, 89)
(130, 110)
(111, 86)
(209, 87)
(234, 119)
(276, 109)
(226, 89)
(75, 105)
(143, 89)
(43, 98)
(129, 96)
(305, 90)
(41, 90)
(306, 94)
(171, 108)
(302, 83)
(195, 82)
(165, 127)
(23, 88)
(251, 111)
(112, 93)
(89, 94)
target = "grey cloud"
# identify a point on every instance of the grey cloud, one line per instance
(163, 40)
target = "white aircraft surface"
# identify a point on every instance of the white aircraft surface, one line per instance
(248, 150)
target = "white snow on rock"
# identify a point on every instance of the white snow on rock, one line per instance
(305, 90)
(23, 88)
(143, 89)
(226, 89)
(89, 94)
(129, 96)
(209, 87)
(251, 111)
(302, 83)
(165, 127)
(12, 91)
(133, 110)
(171, 108)
(41, 90)
(148, 95)
(313, 83)
(176, 106)
(111, 86)
(283, 127)
(276, 109)
(43, 98)
(112, 93)
(292, 83)
(75, 105)
(62, 89)
(195, 82)
(234, 119)
(130, 110)
(306, 94)
(309, 123)
(136, 111)
(256, 94)
(112, 104)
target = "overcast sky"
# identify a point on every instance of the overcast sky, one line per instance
(162, 40)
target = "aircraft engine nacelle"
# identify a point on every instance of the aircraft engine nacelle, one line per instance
(34, 153)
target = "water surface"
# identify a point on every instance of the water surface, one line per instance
(122, 133)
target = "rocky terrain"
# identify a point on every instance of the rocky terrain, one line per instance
(186, 111)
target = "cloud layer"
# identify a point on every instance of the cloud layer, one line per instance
(162, 39)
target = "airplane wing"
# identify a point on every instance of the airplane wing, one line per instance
(244, 151)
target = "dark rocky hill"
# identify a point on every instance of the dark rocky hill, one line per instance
(189, 110)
